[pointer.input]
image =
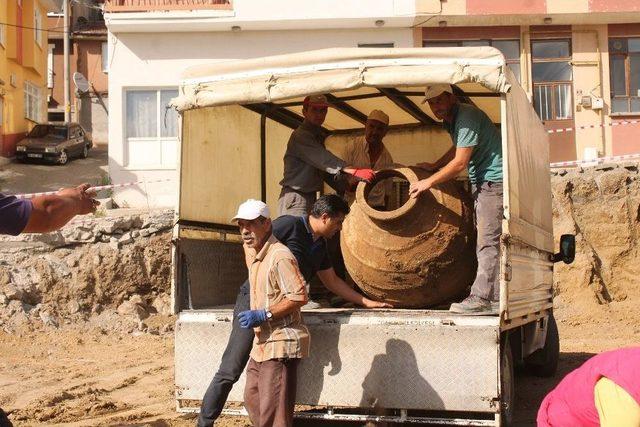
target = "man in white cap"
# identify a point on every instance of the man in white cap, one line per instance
(306, 161)
(306, 237)
(278, 292)
(477, 146)
(370, 152)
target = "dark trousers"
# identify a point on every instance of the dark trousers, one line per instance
(234, 359)
(270, 393)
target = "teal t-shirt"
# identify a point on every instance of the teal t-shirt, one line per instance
(473, 128)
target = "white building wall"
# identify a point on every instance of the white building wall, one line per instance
(156, 60)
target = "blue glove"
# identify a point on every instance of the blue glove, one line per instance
(251, 318)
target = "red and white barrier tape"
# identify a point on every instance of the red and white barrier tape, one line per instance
(96, 188)
(620, 123)
(596, 161)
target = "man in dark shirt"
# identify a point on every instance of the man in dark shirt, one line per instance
(305, 236)
(43, 214)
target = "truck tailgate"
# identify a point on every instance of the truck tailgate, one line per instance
(408, 359)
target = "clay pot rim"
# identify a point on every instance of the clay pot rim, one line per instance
(363, 188)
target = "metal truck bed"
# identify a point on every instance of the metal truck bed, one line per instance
(403, 359)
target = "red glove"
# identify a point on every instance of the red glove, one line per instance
(364, 174)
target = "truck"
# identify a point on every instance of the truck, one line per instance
(425, 366)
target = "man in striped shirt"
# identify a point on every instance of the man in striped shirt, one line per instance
(278, 292)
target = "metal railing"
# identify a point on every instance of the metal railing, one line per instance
(156, 5)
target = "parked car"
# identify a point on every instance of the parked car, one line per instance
(54, 142)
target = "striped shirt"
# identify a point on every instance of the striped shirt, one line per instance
(357, 156)
(273, 276)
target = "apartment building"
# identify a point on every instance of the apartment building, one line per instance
(578, 60)
(87, 56)
(23, 68)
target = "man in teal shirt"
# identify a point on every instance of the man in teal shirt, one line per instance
(477, 146)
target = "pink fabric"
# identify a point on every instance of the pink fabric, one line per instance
(572, 402)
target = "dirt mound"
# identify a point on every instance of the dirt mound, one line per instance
(601, 206)
(119, 285)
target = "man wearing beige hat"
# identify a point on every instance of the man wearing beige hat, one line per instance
(369, 151)
(307, 160)
(477, 147)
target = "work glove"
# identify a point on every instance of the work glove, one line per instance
(251, 318)
(364, 174)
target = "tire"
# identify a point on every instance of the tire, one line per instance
(64, 158)
(85, 151)
(507, 385)
(544, 362)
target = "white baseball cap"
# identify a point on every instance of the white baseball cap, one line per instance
(252, 209)
(432, 91)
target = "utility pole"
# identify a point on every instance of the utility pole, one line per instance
(66, 36)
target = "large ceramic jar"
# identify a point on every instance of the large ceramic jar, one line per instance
(418, 255)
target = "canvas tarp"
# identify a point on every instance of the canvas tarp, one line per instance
(279, 78)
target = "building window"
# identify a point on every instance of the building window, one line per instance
(50, 67)
(151, 129)
(37, 26)
(3, 35)
(509, 48)
(105, 57)
(32, 101)
(624, 71)
(551, 74)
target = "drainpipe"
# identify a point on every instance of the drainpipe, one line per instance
(66, 36)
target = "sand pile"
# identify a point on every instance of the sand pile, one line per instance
(601, 206)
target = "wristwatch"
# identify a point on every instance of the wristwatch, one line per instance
(269, 314)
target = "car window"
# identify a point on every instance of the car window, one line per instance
(58, 132)
(39, 131)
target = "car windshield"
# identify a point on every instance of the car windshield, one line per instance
(40, 131)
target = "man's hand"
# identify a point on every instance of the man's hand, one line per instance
(364, 174)
(429, 167)
(367, 303)
(83, 196)
(251, 318)
(419, 187)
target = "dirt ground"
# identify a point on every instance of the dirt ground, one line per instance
(18, 178)
(82, 377)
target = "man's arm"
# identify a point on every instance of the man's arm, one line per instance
(450, 171)
(442, 161)
(339, 287)
(50, 213)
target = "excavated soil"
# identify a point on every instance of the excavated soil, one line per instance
(102, 352)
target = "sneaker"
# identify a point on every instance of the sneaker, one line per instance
(472, 304)
(311, 305)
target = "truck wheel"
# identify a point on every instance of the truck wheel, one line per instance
(544, 362)
(507, 385)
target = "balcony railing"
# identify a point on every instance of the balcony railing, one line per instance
(155, 5)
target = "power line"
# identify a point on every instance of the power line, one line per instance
(32, 28)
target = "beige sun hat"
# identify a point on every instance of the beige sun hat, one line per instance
(380, 116)
(432, 91)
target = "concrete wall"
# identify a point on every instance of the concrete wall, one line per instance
(156, 61)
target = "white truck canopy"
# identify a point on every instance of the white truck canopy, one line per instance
(358, 76)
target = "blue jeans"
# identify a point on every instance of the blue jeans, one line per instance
(234, 360)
